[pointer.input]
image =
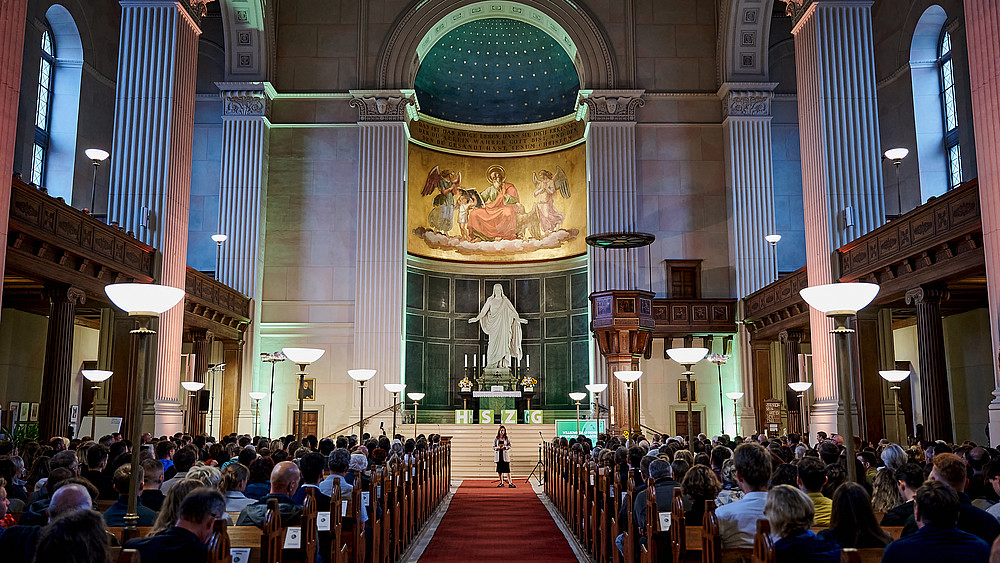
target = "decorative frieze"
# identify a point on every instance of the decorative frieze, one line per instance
(611, 105)
(382, 105)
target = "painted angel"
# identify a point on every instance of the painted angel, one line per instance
(447, 183)
(546, 186)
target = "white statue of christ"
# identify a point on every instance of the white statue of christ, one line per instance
(500, 321)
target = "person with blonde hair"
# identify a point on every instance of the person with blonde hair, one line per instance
(207, 475)
(234, 481)
(170, 511)
(790, 513)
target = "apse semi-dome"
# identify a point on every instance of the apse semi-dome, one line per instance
(497, 71)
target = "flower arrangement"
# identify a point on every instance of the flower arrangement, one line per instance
(528, 381)
(465, 383)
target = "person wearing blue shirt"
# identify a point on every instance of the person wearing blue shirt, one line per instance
(936, 507)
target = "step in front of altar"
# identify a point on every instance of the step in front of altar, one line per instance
(472, 447)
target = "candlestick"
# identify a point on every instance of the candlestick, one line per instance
(466, 360)
(527, 361)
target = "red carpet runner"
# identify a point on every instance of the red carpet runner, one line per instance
(486, 523)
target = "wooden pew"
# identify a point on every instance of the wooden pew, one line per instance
(763, 548)
(271, 534)
(128, 556)
(629, 533)
(218, 544)
(711, 541)
(871, 555)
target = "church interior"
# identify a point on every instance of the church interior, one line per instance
(536, 213)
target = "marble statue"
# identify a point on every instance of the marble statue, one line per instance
(501, 323)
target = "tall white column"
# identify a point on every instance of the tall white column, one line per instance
(12, 23)
(151, 162)
(750, 189)
(841, 176)
(379, 301)
(982, 26)
(245, 145)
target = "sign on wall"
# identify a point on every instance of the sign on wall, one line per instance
(567, 429)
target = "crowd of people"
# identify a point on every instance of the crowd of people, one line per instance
(184, 484)
(944, 497)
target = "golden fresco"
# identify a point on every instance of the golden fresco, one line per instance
(485, 209)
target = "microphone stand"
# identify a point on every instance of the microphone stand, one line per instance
(538, 466)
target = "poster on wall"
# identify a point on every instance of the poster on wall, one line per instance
(485, 209)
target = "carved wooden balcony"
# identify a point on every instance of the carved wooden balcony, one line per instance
(673, 318)
(777, 307)
(214, 306)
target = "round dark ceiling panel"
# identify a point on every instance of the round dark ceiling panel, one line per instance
(497, 71)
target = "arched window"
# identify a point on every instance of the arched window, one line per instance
(46, 76)
(946, 70)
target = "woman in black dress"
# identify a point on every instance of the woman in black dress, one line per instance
(501, 455)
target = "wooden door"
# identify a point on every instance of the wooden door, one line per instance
(680, 422)
(310, 423)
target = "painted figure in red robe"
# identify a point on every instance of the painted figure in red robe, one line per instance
(497, 219)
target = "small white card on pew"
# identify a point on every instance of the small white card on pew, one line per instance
(293, 537)
(322, 521)
(366, 497)
(343, 508)
(591, 480)
(378, 491)
(414, 471)
(664, 521)
(240, 554)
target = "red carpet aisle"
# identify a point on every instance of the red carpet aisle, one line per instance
(486, 523)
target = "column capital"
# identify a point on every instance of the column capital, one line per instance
(747, 99)
(246, 99)
(611, 105)
(925, 295)
(790, 336)
(384, 105)
(201, 335)
(797, 9)
(65, 293)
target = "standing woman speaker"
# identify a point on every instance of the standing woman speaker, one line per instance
(501, 455)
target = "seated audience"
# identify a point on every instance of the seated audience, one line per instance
(6, 519)
(730, 487)
(184, 459)
(340, 460)
(170, 511)
(790, 513)
(164, 452)
(284, 482)
(97, 460)
(8, 472)
(18, 543)
(207, 475)
(185, 540)
(811, 478)
(936, 511)
(234, 482)
(115, 516)
(885, 490)
(699, 485)
(259, 483)
(78, 536)
(151, 496)
(852, 523)
(738, 520)
(951, 470)
(909, 477)
(311, 466)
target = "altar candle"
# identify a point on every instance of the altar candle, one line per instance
(527, 361)
(484, 360)
(474, 360)
(466, 360)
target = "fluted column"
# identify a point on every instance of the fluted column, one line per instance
(378, 313)
(201, 341)
(611, 195)
(791, 343)
(12, 14)
(245, 146)
(982, 28)
(935, 402)
(57, 374)
(750, 190)
(841, 176)
(151, 163)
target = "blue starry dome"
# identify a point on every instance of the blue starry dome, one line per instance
(497, 71)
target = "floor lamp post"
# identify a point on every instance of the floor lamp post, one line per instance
(95, 376)
(192, 387)
(272, 359)
(361, 376)
(144, 302)
(211, 396)
(415, 397)
(628, 378)
(96, 156)
(720, 360)
(303, 357)
(395, 389)
(735, 396)
(219, 239)
(896, 156)
(841, 301)
(688, 357)
(577, 397)
(801, 387)
(595, 390)
(256, 396)
(895, 377)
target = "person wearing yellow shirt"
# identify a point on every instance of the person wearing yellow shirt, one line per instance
(811, 478)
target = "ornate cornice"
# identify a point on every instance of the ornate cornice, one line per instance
(611, 105)
(795, 9)
(382, 105)
(746, 99)
(196, 8)
(246, 99)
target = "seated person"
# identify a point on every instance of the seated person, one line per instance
(285, 479)
(97, 460)
(115, 516)
(340, 460)
(151, 496)
(950, 469)
(700, 485)
(185, 540)
(936, 512)
(790, 513)
(18, 543)
(311, 467)
(234, 482)
(77, 535)
(853, 521)
(35, 513)
(738, 519)
(810, 480)
(909, 477)
(260, 477)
